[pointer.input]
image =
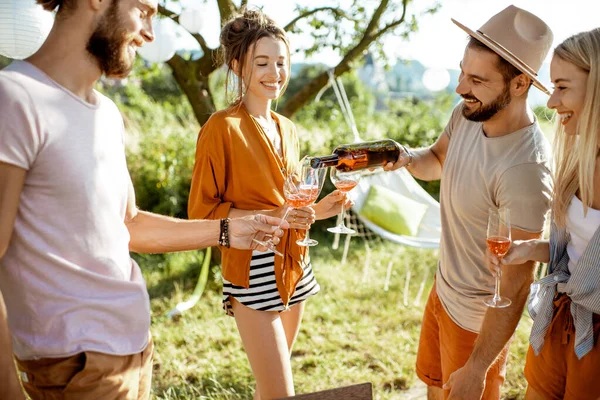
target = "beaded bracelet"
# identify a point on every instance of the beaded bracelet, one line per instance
(224, 234)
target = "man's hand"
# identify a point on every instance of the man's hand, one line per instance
(242, 231)
(466, 384)
(331, 204)
(403, 159)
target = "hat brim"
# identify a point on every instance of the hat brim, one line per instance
(505, 54)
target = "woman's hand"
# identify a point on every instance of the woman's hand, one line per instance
(301, 218)
(520, 252)
(331, 204)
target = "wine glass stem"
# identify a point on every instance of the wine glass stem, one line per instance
(497, 289)
(343, 213)
(287, 211)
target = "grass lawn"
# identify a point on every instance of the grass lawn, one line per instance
(352, 332)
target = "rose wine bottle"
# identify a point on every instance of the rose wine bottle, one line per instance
(355, 156)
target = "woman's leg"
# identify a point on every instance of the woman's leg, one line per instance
(266, 345)
(291, 320)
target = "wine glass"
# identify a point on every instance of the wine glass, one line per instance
(498, 242)
(294, 198)
(344, 182)
(313, 180)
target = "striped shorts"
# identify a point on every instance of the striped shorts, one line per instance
(262, 295)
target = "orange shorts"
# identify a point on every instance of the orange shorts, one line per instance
(556, 373)
(445, 347)
(89, 375)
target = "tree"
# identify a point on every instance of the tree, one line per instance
(350, 32)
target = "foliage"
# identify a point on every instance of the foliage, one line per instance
(4, 61)
(161, 141)
(349, 30)
(323, 122)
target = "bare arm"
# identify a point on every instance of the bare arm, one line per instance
(10, 387)
(154, 233)
(520, 252)
(427, 162)
(11, 184)
(497, 328)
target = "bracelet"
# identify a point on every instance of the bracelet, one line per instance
(224, 233)
(411, 157)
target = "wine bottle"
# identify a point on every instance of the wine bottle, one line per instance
(355, 156)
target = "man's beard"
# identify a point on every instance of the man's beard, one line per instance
(107, 43)
(485, 112)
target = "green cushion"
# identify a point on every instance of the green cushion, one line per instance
(393, 211)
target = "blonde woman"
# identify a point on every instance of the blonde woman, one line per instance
(564, 356)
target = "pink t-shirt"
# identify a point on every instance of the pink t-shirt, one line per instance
(67, 278)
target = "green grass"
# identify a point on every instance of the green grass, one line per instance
(352, 332)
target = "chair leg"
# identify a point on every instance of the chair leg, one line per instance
(388, 275)
(417, 301)
(406, 285)
(346, 248)
(367, 265)
(336, 238)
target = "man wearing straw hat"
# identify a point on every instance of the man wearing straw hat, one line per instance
(491, 154)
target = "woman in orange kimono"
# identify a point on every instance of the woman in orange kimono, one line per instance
(242, 156)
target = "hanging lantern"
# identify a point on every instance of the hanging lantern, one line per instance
(24, 25)
(192, 19)
(164, 45)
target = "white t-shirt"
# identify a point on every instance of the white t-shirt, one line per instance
(581, 229)
(479, 173)
(67, 277)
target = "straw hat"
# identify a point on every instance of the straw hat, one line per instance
(517, 36)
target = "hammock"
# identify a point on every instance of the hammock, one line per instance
(400, 181)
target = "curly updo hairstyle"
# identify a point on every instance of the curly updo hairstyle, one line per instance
(239, 36)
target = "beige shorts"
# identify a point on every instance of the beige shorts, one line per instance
(89, 375)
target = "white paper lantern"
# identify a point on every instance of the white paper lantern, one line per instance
(192, 19)
(24, 25)
(164, 45)
(436, 79)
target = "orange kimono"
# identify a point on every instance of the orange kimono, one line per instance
(237, 166)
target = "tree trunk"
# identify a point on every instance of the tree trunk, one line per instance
(194, 84)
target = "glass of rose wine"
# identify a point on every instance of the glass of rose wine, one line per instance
(498, 242)
(294, 198)
(344, 182)
(312, 184)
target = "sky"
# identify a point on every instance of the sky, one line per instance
(439, 43)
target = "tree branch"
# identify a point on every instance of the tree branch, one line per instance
(308, 13)
(374, 22)
(168, 13)
(393, 24)
(226, 8)
(370, 35)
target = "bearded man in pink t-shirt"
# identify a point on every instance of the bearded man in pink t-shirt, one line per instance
(76, 303)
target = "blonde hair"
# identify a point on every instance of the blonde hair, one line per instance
(239, 37)
(575, 155)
